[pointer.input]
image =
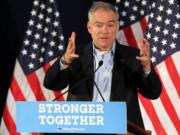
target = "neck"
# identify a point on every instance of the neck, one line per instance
(103, 49)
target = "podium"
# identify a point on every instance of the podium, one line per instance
(134, 129)
(75, 117)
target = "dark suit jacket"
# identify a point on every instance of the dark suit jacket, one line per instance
(128, 78)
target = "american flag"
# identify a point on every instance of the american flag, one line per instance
(43, 43)
(159, 22)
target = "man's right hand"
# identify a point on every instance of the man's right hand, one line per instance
(70, 55)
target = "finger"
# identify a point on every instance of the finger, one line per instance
(145, 41)
(141, 46)
(72, 41)
(139, 58)
(71, 45)
(73, 36)
(143, 59)
(75, 55)
(146, 50)
(144, 47)
(141, 51)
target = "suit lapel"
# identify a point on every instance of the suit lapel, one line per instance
(88, 67)
(117, 86)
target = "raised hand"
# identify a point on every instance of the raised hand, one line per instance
(70, 55)
(144, 55)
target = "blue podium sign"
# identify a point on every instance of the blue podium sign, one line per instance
(71, 117)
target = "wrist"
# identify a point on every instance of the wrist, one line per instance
(147, 68)
(64, 61)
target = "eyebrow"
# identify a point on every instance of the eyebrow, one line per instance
(111, 21)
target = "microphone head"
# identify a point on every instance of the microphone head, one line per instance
(100, 63)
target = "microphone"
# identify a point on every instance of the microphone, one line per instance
(99, 65)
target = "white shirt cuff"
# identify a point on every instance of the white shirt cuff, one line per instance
(147, 73)
(63, 66)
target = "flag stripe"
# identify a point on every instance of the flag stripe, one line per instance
(35, 86)
(47, 93)
(3, 128)
(22, 81)
(9, 114)
(152, 115)
(130, 37)
(16, 91)
(57, 93)
(121, 38)
(169, 87)
(143, 23)
(12, 106)
(173, 72)
(163, 117)
(148, 123)
(9, 122)
(176, 57)
(35, 133)
(12, 113)
(12, 97)
(170, 109)
(137, 28)
(46, 67)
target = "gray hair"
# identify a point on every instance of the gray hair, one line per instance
(104, 5)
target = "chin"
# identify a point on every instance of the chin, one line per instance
(105, 46)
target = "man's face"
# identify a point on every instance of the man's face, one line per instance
(103, 28)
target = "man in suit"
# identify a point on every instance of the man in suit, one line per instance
(119, 72)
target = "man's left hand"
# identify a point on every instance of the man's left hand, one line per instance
(145, 55)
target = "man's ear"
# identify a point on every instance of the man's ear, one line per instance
(118, 26)
(88, 27)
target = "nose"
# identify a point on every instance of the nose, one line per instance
(104, 29)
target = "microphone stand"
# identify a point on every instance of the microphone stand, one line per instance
(100, 64)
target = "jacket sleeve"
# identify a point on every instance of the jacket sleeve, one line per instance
(150, 86)
(56, 79)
